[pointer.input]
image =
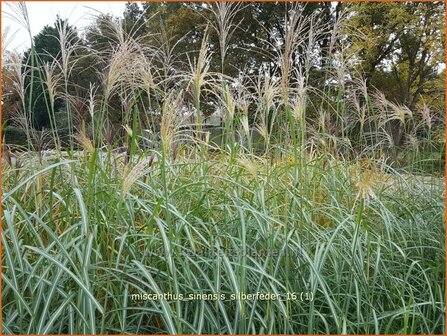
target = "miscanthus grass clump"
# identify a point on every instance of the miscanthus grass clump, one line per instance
(359, 250)
(315, 210)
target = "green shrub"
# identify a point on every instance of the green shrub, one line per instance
(14, 136)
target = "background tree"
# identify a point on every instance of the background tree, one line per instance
(399, 46)
(47, 50)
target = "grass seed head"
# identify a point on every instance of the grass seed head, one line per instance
(137, 171)
(85, 142)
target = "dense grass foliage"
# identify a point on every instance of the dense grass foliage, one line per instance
(315, 189)
(80, 236)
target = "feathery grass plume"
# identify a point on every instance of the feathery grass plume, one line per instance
(118, 75)
(323, 120)
(117, 70)
(388, 140)
(394, 119)
(120, 58)
(13, 62)
(229, 105)
(18, 76)
(243, 99)
(391, 111)
(85, 142)
(170, 121)
(262, 128)
(200, 68)
(244, 123)
(412, 142)
(248, 163)
(164, 54)
(427, 116)
(341, 79)
(365, 185)
(91, 100)
(132, 174)
(43, 140)
(439, 136)
(338, 30)
(127, 98)
(145, 71)
(359, 109)
(20, 120)
(224, 15)
(51, 79)
(128, 130)
(294, 36)
(297, 123)
(270, 90)
(197, 78)
(267, 90)
(91, 104)
(18, 12)
(78, 108)
(298, 101)
(116, 28)
(68, 44)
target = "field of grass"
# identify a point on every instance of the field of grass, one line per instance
(340, 226)
(80, 236)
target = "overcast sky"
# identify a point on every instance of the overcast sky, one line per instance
(43, 13)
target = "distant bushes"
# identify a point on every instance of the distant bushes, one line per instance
(14, 136)
(40, 140)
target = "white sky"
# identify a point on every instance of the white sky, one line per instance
(41, 13)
